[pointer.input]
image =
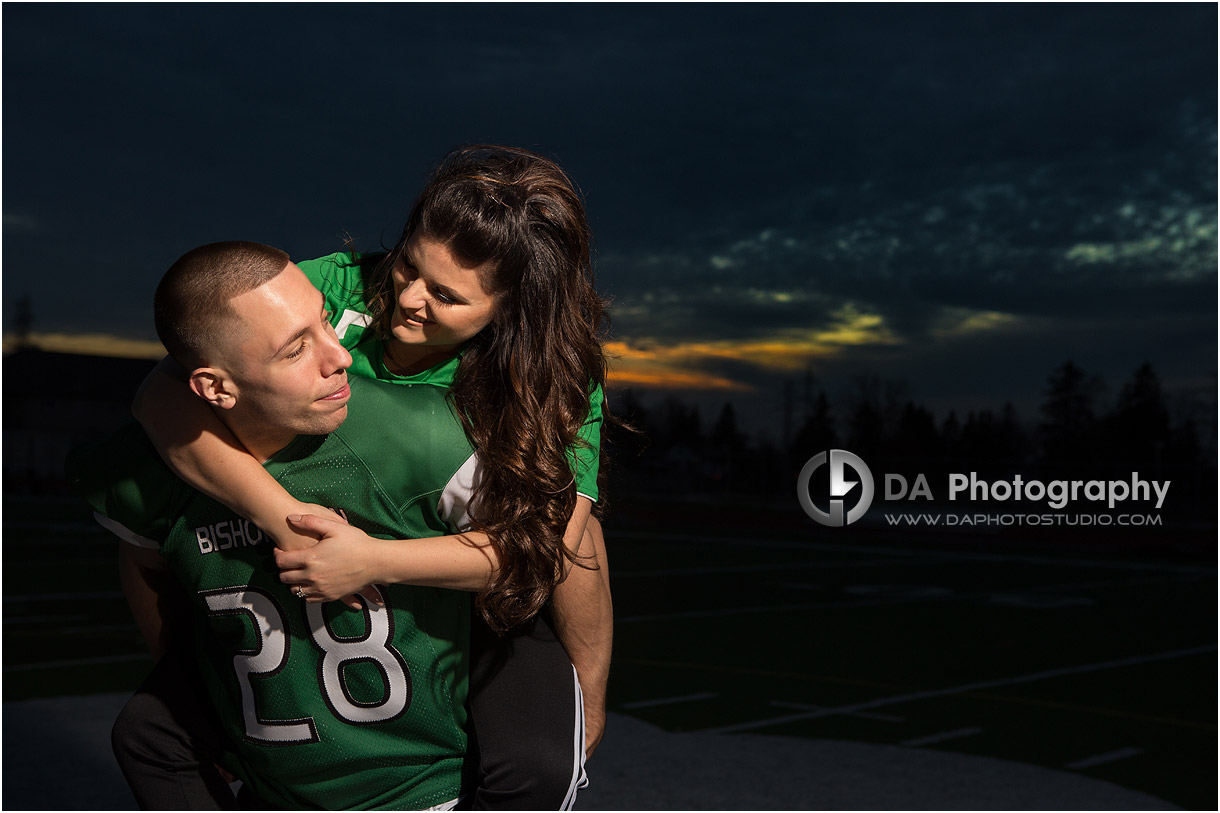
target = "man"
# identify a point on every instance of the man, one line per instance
(321, 706)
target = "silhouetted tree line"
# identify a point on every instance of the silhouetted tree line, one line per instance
(1075, 436)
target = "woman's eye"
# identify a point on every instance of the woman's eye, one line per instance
(444, 298)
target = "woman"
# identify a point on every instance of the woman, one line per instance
(488, 292)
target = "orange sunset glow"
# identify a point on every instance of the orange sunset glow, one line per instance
(680, 365)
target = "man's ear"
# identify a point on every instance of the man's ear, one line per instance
(214, 386)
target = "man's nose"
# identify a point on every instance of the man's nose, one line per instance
(337, 358)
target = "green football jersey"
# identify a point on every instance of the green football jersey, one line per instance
(340, 279)
(325, 706)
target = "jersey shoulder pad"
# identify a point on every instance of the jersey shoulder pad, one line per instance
(340, 278)
(124, 479)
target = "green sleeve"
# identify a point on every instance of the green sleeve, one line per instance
(585, 454)
(341, 281)
(125, 481)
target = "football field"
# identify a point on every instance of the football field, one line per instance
(1088, 662)
(1084, 662)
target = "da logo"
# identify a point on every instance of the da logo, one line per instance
(840, 487)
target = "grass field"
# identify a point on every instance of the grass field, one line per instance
(1074, 660)
(1099, 659)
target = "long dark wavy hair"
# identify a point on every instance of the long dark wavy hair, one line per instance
(523, 386)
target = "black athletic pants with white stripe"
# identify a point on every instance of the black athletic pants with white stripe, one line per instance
(526, 729)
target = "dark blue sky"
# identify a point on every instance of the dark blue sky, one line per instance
(959, 197)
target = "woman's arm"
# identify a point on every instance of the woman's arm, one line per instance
(584, 621)
(206, 455)
(346, 559)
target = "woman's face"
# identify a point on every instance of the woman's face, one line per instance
(439, 301)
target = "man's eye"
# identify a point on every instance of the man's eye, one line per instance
(296, 352)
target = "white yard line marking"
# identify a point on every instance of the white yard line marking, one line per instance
(734, 569)
(39, 525)
(29, 667)
(130, 626)
(665, 701)
(42, 619)
(775, 608)
(957, 733)
(24, 597)
(965, 688)
(676, 616)
(1103, 759)
(964, 556)
(866, 715)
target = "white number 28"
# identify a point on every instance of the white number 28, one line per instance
(270, 655)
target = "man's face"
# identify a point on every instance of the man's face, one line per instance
(285, 362)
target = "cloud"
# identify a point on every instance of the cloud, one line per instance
(673, 380)
(958, 322)
(676, 368)
(731, 364)
(20, 223)
(1182, 246)
(942, 251)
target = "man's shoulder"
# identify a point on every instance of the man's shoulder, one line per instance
(124, 479)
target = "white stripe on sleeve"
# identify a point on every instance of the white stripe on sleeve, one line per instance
(122, 532)
(454, 504)
(352, 318)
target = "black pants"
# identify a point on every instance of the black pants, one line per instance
(526, 726)
(526, 719)
(168, 738)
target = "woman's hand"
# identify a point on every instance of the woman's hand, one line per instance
(341, 564)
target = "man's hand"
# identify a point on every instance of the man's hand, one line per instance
(288, 536)
(338, 565)
(293, 538)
